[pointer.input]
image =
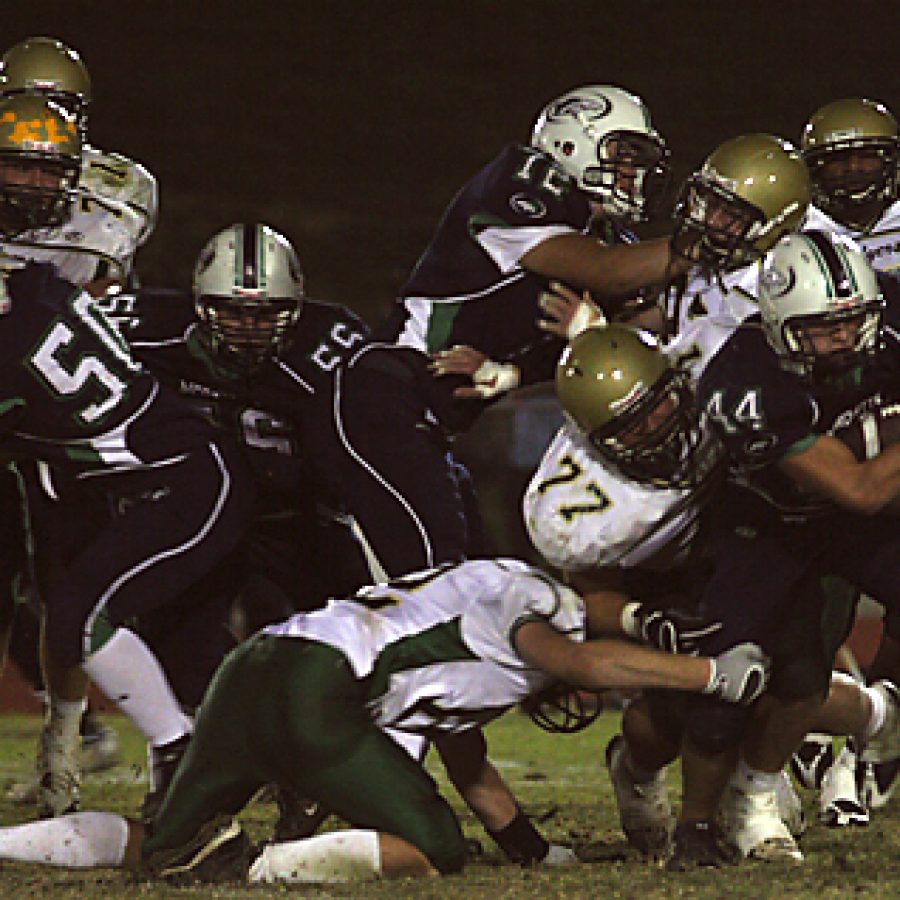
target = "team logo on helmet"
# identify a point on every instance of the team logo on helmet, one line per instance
(779, 282)
(591, 107)
(46, 134)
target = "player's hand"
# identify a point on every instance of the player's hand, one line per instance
(489, 378)
(568, 313)
(671, 630)
(739, 675)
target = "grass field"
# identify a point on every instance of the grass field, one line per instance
(560, 780)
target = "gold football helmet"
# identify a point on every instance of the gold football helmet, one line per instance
(749, 192)
(852, 148)
(40, 162)
(44, 65)
(637, 410)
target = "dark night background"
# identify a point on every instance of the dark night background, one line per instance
(349, 125)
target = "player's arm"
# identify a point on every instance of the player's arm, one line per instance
(607, 270)
(464, 756)
(829, 467)
(612, 611)
(737, 675)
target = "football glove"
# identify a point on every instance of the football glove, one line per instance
(671, 630)
(738, 675)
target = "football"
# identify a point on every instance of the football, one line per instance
(869, 435)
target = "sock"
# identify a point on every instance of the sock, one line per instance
(64, 717)
(332, 858)
(79, 840)
(753, 781)
(127, 672)
(878, 714)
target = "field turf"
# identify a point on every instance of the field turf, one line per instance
(560, 781)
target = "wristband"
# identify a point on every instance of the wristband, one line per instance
(521, 841)
(492, 378)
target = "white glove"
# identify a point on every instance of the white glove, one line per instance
(738, 675)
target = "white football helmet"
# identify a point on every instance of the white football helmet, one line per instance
(816, 280)
(248, 292)
(601, 137)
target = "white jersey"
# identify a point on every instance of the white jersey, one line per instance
(437, 647)
(880, 241)
(727, 297)
(580, 513)
(113, 214)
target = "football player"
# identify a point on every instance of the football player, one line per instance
(116, 208)
(620, 502)
(104, 432)
(92, 245)
(477, 638)
(851, 148)
(798, 506)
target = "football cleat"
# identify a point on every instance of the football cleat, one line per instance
(59, 778)
(839, 801)
(751, 823)
(644, 809)
(220, 852)
(698, 845)
(876, 782)
(884, 745)
(812, 760)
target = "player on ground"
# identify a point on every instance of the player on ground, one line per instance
(476, 638)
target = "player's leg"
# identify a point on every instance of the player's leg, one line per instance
(174, 525)
(394, 467)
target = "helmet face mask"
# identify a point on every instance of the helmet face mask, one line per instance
(749, 192)
(852, 149)
(638, 412)
(601, 137)
(46, 67)
(248, 293)
(820, 303)
(40, 163)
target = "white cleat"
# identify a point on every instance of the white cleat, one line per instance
(99, 748)
(839, 801)
(812, 759)
(644, 809)
(751, 823)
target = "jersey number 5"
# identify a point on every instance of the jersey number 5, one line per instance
(69, 371)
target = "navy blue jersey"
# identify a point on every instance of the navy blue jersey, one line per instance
(469, 288)
(72, 393)
(280, 411)
(764, 412)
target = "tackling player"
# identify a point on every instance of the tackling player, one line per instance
(475, 638)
